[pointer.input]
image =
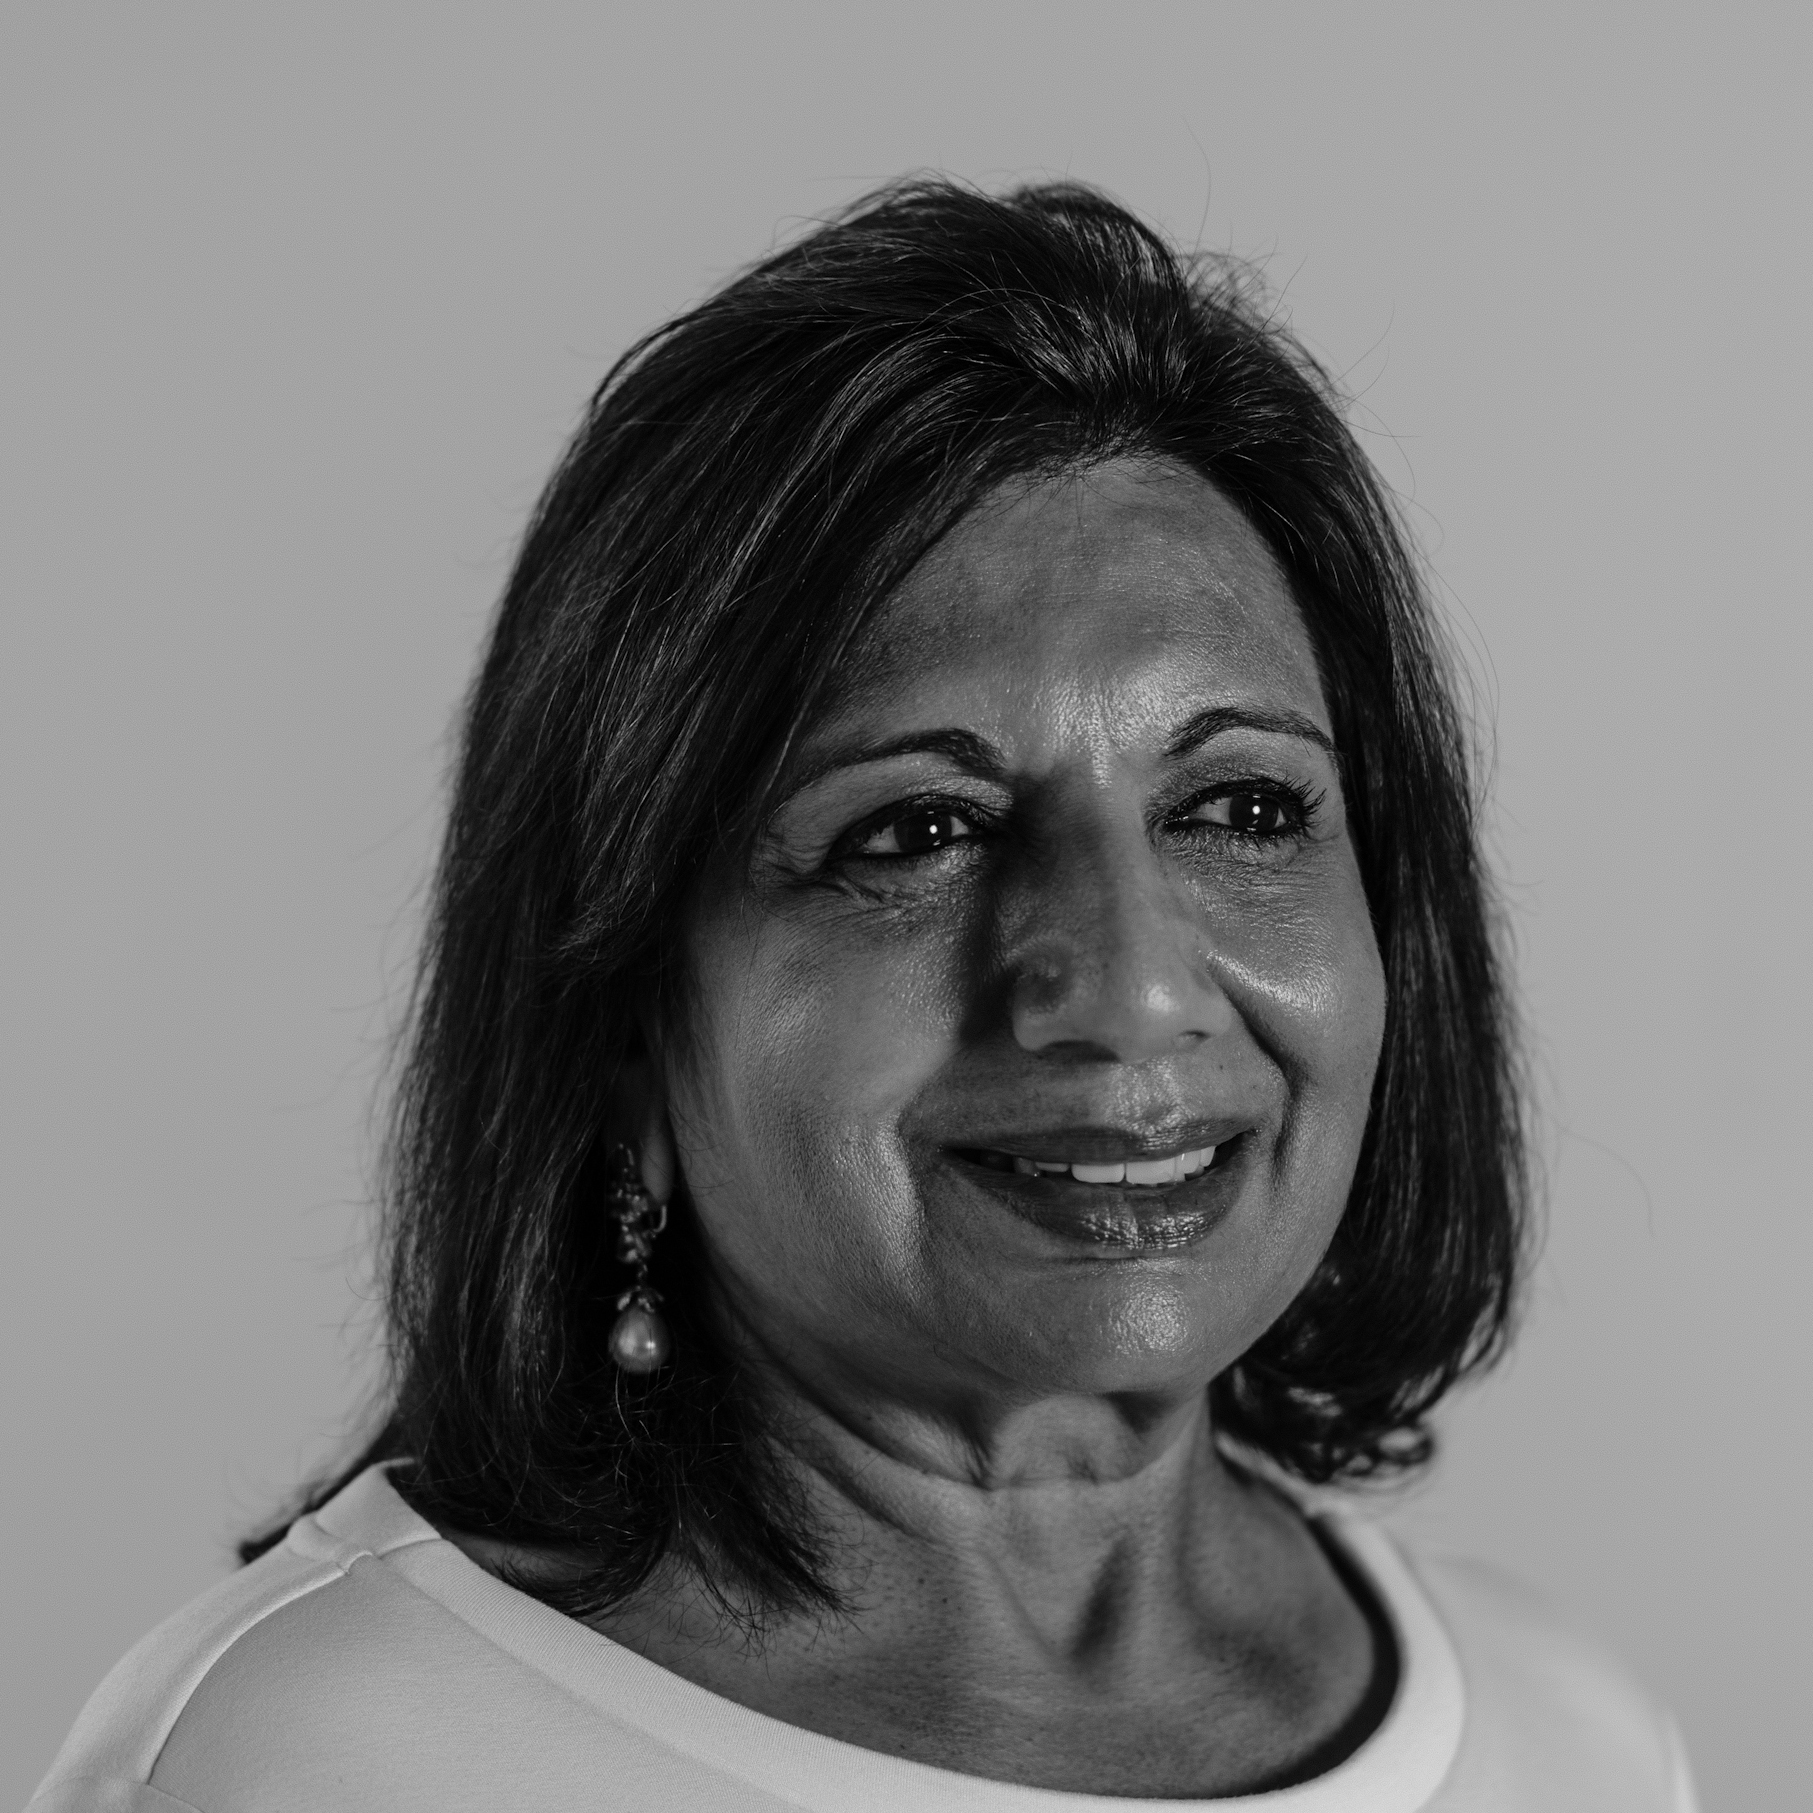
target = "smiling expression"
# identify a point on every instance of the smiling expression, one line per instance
(1033, 1053)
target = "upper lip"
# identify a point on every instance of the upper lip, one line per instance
(1100, 1145)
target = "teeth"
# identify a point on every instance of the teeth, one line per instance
(1098, 1173)
(1157, 1170)
(1146, 1172)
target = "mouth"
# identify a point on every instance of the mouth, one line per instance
(1112, 1193)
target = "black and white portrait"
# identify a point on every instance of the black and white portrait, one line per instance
(905, 907)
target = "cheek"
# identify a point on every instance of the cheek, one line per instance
(842, 1031)
(1308, 979)
(805, 1053)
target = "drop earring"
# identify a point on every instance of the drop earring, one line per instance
(639, 1339)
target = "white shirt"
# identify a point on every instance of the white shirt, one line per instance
(365, 1665)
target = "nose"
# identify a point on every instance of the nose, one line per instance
(1114, 960)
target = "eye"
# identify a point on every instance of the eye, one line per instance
(1250, 812)
(916, 833)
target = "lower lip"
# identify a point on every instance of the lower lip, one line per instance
(1122, 1218)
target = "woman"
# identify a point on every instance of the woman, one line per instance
(960, 1066)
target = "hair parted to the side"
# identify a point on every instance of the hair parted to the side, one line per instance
(749, 483)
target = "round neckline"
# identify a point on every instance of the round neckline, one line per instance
(1394, 1769)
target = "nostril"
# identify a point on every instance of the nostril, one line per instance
(1130, 999)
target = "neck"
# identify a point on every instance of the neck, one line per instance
(1055, 1517)
(977, 1478)
(1054, 1593)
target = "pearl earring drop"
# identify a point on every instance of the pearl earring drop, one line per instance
(639, 1340)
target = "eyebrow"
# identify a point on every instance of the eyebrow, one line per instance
(977, 755)
(1209, 724)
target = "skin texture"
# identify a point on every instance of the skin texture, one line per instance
(1133, 928)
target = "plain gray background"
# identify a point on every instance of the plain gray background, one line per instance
(300, 304)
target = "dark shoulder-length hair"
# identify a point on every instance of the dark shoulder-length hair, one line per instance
(749, 482)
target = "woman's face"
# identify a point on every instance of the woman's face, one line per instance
(1060, 897)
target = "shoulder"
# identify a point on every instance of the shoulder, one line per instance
(114, 1746)
(365, 1665)
(273, 1648)
(1552, 1718)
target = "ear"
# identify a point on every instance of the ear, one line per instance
(655, 1146)
(640, 1110)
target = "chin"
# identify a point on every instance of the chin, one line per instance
(1104, 1332)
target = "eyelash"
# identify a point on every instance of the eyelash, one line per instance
(1300, 803)
(848, 848)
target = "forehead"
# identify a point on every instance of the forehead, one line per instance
(1133, 591)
